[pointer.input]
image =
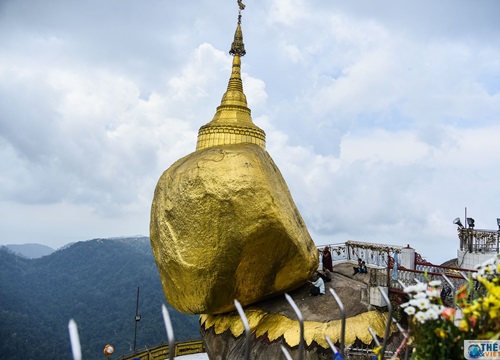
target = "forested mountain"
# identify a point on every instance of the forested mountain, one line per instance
(30, 251)
(95, 283)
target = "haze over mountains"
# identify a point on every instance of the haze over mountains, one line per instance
(30, 251)
(94, 282)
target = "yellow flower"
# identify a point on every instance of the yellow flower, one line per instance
(440, 333)
(493, 313)
(463, 325)
(493, 290)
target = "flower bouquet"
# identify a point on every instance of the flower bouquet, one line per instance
(437, 331)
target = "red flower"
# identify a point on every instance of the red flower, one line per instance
(448, 314)
(472, 321)
(462, 292)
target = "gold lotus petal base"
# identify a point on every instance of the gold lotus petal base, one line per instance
(276, 326)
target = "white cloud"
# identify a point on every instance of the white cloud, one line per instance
(383, 124)
(287, 12)
(394, 188)
(292, 51)
(401, 148)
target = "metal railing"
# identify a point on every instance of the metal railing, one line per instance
(378, 256)
(479, 240)
(160, 352)
(409, 277)
(371, 253)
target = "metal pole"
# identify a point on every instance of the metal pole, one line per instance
(336, 355)
(287, 354)
(248, 334)
(343, 316)
(75, 340)
(402, 284)
(374, 336)
(137, 318)
(389, 321)
(388, 270)
(453, 289)
(301, 323)
(170, 332)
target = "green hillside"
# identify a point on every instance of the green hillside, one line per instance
(95, 283)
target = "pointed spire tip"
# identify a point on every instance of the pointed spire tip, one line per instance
(238, 47)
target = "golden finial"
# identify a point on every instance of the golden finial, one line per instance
(241, 5)
(232, 123)
(237, 47)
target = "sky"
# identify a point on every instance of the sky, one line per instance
(383, 116)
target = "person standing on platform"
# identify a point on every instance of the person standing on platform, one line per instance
(327, 259)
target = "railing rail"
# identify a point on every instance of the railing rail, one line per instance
(162, 351)
(479, 240)
(408, 277)
(373, 254)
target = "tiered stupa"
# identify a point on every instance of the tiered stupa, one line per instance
(232, 123)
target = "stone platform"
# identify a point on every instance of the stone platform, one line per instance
(274, 323)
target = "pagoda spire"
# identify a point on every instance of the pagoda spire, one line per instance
(237, 47)
(232, 122)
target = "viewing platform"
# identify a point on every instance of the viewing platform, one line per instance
(392, 268)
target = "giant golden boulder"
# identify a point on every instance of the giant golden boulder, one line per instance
(224, 226)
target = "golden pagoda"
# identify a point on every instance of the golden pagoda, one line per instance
(223, 222)
(232, 123)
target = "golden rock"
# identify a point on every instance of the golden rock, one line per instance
(223, 222)
(224, 227)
